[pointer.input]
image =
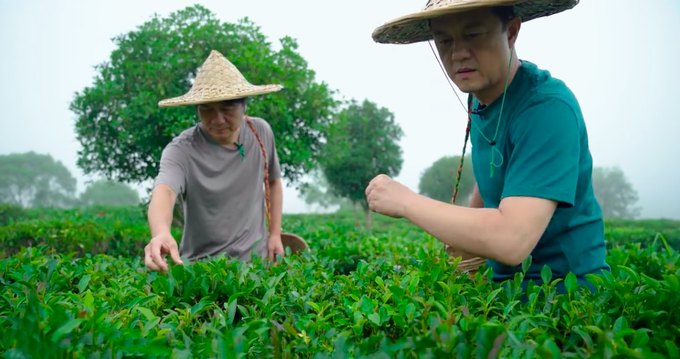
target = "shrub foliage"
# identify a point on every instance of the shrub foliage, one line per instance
(81, 290)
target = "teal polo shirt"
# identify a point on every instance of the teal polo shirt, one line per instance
(541, 150)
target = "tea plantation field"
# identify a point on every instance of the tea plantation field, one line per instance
(74, 285)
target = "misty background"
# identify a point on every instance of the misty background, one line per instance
(619, 57)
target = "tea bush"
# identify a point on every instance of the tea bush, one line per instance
(81, 290)
(10, 213)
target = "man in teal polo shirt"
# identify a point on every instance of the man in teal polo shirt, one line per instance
(530, 153)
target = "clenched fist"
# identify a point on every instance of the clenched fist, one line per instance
(387, 196)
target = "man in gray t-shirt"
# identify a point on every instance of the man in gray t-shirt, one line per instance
(217, 169)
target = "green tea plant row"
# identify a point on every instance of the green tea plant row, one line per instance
(124, 231)
(408, 303)
(387, 293)
(54, 306)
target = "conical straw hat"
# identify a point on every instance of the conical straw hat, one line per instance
(415, 27)
(218, 80)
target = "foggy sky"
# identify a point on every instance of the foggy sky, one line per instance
(617, 56)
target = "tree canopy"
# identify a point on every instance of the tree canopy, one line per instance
(318, 192)
(615, 193)
(109, 193)
(438, 180)
(363, 144)
(35, 180)
(123, 131)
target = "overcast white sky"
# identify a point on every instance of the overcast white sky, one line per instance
(620, 57)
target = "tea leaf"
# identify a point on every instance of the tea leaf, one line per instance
(570, 283)
(82, 285)
(66, 329)
(526, 264)
(546, 274)
(374, 318)
(146, 313)
(673, 351)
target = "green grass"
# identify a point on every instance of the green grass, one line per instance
(81, 290)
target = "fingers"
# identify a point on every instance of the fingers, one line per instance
(156, 259)
(174, 253)
(377, 180)
(275, 250)
(370, 187)
(279, 251)
(157, 249)
(148, 261)
(371, 205)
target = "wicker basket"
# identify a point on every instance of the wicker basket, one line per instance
(295, 242)
(469, 263)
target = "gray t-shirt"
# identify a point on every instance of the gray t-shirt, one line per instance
(222, 194)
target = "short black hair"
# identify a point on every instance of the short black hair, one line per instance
(241, 100)
(504, 13)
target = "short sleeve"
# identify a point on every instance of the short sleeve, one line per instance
(172, 169)
(545, 153)
(272, 156)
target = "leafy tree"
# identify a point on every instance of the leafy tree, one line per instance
(438, 180)
(615, 193)
(109, 193)
(35, 180)
(123, 131)
(363, 144)
(317, 192)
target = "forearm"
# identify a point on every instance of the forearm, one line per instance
(480, 231)
(160, 211)
(276, 211)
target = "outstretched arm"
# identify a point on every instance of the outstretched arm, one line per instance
(171, 180)
(547, 135)
(160, 210)
(507, 234)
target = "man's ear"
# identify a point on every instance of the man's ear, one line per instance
(513, 31)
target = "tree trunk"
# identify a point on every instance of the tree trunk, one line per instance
(369, 219)
(356, 214)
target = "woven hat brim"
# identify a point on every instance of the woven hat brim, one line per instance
(415, 27)
(208, 95)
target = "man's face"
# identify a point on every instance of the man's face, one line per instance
(474, 48)
(222, 119)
